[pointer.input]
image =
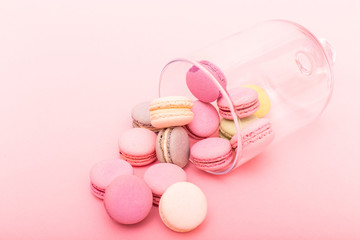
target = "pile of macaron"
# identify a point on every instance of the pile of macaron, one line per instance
(160, 139)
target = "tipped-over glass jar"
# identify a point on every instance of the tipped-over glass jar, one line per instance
(281, 57)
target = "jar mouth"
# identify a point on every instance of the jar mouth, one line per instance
(224, 93)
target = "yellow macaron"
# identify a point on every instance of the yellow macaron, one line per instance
(264, 100)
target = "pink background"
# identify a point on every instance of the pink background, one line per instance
(70, 73)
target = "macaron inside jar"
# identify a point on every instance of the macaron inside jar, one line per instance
(200, 83)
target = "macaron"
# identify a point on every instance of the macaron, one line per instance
(161, 176)
(137, 146)
(205, 121)
(128, 199)
(141, 117)
(183, 207)
(211, 154)
(173, 146)
(245, 102)
(171, 111)
(264, 99)
(201, 85)
(227, 127)
(102, 173)
(255, 138)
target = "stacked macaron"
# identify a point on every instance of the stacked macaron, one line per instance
(160, 140)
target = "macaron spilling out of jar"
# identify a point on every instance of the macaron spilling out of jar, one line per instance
(169, 133)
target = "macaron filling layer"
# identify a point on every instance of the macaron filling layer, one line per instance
(99, 192)
(225, 134)
(165, 145)
(242, 110)
(171, 104)
(156, 199)
(139, 160)
(191, 134)
(254, 136)
(169, 113)
(142, 125)
(211, 160)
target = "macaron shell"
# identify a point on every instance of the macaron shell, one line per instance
(179, 147)
(238, 96)
(255, 138)
(201, 86)
(214, 147)
(227, 127)
(211, 154)
(141, 116)
(206, 120)
(173, 146)
(162, 175)
(183, 207)
(265, 103)
(137, 141)
(222, 163)
(102, 173)
(245, 111)
(141, 113)
(128, 199)
(245, 101)
(171, 111)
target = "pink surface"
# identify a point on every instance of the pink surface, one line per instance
(70, 74)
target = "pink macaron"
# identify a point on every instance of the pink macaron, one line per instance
(137, 146)
(128, 199)
(255, 137)
(211, 154)
(162, 175)
(245, 102)
(102, 174)
(201, 85)
(205, 122)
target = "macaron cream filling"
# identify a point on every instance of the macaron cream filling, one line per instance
(254, 136)
(243, 108)
(212, 160)
(191, 134)
(135, 159)
(225, 134)
(96, 190)
(148, 126)
(173, 104)
(165, 145)
(164, 113)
